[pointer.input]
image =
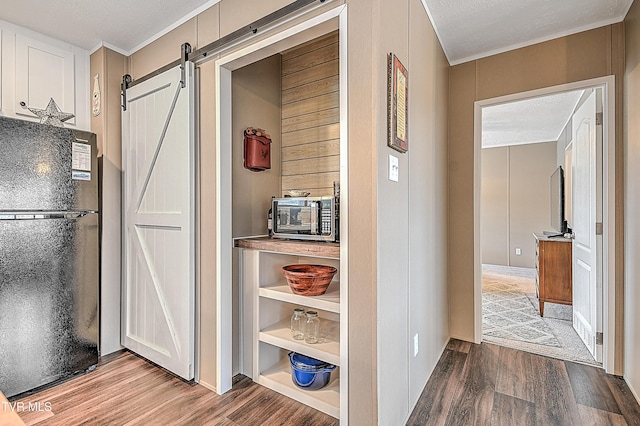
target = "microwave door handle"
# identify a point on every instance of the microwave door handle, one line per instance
(314, 217)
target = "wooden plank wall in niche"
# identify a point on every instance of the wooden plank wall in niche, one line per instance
(311, 116)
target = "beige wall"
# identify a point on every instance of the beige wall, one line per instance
(164, 50)
(207, 225)
(427, 203)
(236, 14)
(362, 194)
(110, 67)
(362, 219)
(256, 103)
(411, 214)
(515, 201)
(494, 202)
(529, 211)
(397, 242)
(394, 346)
(577, 57)
(632, 199)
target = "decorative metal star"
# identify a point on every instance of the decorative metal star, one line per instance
(52, 114)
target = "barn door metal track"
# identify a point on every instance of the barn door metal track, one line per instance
(201, 54)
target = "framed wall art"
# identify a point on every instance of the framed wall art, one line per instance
(398, 105)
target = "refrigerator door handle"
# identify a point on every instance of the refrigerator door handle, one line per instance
(43, 215)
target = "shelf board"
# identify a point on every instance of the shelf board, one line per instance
(330, 301)
(327, 399)
(297, 247)
(328, 350)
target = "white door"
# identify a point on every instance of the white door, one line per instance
(159, 240)
(587, 288)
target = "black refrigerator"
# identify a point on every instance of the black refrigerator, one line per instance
(49, 254)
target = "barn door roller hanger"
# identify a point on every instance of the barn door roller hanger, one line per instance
(127, 81)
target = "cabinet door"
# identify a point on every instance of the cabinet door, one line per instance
(43, 72)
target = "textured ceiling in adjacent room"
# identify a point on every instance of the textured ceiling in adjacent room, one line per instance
(528, 121)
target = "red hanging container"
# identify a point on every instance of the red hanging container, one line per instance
(257, 152)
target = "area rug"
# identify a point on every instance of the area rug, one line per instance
(557, 318)
(507, 312)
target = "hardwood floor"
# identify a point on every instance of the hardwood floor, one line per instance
(488, 384)
(128, 390)
(471, 385)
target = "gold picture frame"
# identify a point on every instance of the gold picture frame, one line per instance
(398, 105)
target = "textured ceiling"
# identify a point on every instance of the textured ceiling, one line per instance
(471, 29)
(528, 121)
(467, 29)
(120, 24)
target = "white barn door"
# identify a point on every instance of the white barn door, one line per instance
(159, 242)
(586, 194)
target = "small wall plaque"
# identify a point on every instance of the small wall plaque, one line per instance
(398, 105)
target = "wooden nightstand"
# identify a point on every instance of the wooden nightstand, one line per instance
(554, 270)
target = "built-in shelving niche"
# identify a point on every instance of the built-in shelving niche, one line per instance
(295, 97)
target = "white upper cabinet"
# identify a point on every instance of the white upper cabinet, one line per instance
(44, 72)
(1, 60)
(35, 68)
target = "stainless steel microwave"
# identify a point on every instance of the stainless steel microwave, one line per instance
(305, 218)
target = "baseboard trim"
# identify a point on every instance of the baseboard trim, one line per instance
(208, 386)
(633, 391)
(463, 338)
(413, 405)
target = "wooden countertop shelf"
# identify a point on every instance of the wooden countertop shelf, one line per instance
(304, 248)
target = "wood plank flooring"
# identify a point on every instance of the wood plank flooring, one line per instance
(471, 385)
(492, 385)
(128, 390)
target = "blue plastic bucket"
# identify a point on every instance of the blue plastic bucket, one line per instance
(309, 373)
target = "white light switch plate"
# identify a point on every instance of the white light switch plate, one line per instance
(394, 169)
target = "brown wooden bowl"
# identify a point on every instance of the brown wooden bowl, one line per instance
(309, 280)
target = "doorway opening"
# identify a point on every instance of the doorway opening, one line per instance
(518, 194)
